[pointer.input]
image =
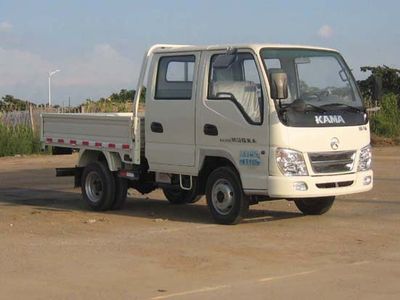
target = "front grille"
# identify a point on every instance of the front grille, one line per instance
(332, 162)
(330, 185)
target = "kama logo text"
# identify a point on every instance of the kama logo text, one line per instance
(335, 119)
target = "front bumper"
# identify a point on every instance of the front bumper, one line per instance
(333, 185)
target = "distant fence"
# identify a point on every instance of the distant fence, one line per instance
(15, 118)
(31, 117)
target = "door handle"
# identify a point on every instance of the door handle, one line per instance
(210, 129)
(157, 127)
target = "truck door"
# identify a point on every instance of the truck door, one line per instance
(170, 111)
(232, 120)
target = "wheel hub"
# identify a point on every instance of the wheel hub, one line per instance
(94, 187)
(222, 196)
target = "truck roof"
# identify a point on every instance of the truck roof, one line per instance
(255, 47)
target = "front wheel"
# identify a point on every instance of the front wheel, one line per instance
(314, 206)
(225, 198)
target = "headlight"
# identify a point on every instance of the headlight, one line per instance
(365, 159)
(291, 162)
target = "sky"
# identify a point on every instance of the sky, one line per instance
(99, 45)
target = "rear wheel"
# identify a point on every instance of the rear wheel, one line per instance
(314, 206)
(121, 191)
(98, 186)
(225, 198)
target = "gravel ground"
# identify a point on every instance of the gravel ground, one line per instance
(51, 246)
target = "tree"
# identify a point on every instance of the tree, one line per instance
(387, 78)
(123, 96)
(10, 103)
(143, 95)
(126, 96)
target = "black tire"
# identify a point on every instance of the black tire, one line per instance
(225, 198)
(179, 196)
(121, 192)
(98, 186)
(314, 206)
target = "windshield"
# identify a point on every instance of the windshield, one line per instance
(319, 78)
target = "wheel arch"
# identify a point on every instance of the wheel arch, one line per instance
(209, 164)
(113, 159)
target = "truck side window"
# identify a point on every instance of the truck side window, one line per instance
(240, 83)
(175, 77)
(273, 63)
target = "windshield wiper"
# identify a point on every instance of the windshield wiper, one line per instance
(316, 108)
(302, 106)
(353, 108)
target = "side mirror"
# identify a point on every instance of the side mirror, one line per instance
(278, 84)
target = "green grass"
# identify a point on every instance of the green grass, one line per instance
(108, 106)
(18, 139)
(386, 122)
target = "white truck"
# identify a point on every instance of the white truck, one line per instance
(239, 124)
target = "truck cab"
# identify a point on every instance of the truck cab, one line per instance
(246, 123)
(289, 120)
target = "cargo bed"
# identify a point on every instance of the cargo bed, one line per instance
(98, 131)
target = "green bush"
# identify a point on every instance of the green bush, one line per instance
(387, 121)
(18, 139)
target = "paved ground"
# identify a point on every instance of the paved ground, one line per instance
(52, 247)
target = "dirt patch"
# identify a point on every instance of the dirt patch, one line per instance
(53, 247)
(379, 141)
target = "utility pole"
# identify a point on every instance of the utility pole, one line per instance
(51, 74)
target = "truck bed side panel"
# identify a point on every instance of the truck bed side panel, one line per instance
(110, 131)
